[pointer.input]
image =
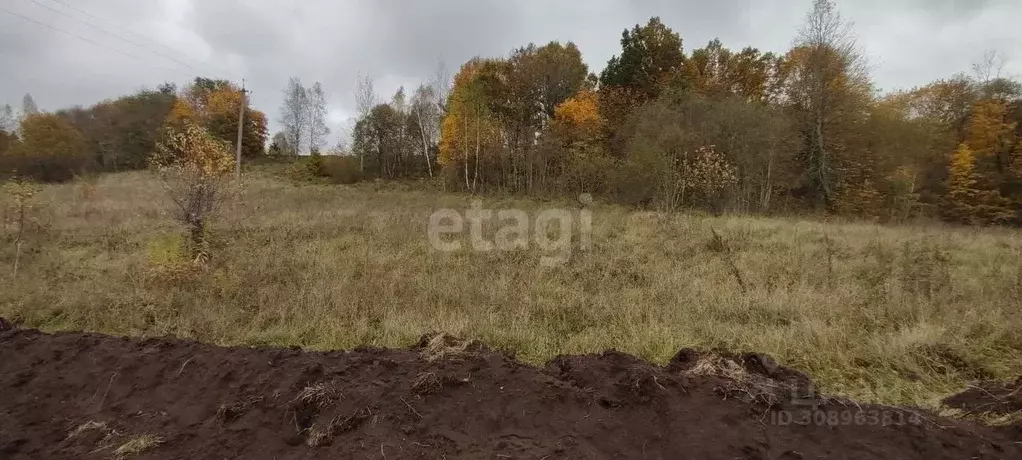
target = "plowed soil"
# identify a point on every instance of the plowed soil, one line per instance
(91, 396)
(989, 398)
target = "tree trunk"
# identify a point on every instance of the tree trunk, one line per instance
(425, 145)
(467, 185)
(479, 135)
(196, 232)
(528, 168)
(823, 161)
(768, 185)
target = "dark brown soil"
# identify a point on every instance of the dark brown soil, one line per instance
(989, 397)
(86, 396)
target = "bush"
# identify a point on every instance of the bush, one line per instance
(341, 169)
(315, 164)
(331, 168)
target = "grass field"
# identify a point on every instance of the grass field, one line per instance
(898, 315)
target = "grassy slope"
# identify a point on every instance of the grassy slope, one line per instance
(899, 315)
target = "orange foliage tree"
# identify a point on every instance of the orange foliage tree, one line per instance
(577, 130)
(214, 104)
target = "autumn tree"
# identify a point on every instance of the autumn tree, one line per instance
(714, 71)
(663, 134)
(214, 105)
(195, 168)
(989, 133)
(967, 201)
(538, 80)
(906, 137)
(578, 152)
(947, 101)
(469, 127)
(556, 70)
(121, 133)
(49, 149)
(666, 167)
(826, 86)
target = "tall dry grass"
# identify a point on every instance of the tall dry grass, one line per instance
(899, 315)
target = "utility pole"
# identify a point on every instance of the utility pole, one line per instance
(241, 130)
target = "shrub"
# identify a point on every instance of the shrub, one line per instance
(315, 164)
(331, 168)
(341, 169)
(195, 168)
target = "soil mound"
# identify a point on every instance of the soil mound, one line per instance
(990, 397)
(91, 396)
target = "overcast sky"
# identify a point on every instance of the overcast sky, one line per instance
(136, 43)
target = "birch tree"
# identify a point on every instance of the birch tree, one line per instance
(318, 130)
(294, 115)
(365, 100)
(426, 111)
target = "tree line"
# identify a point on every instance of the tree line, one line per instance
(716, 129)
(121, 134)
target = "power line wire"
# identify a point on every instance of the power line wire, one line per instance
(135, 34)
(116, 36)
(88, 40)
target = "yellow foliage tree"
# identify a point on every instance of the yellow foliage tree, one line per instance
(988, 132)
(577, 130)
(581, 114)
(50, 149)
(968, 203)
(469, 127)
(1016, 161)
(195, 169)
(181, 113)
(961, 193)
(215, 105)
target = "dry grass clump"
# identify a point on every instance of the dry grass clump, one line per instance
(889, 314)
(136, 445)
(738, 382)
(319, 395)
(439, 345)
(87, 427)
